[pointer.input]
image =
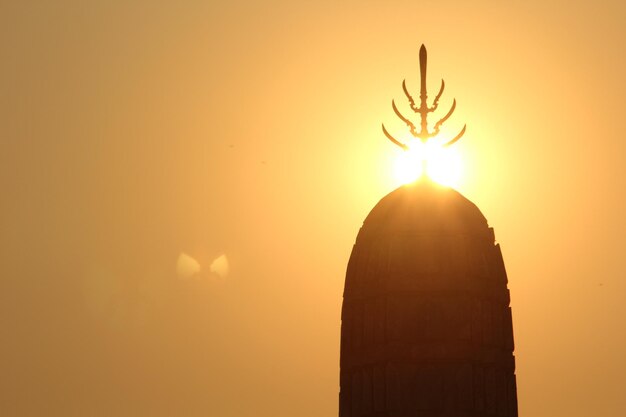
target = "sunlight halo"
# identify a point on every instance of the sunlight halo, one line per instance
(442, 165)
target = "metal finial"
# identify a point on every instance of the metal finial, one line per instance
(423, 109)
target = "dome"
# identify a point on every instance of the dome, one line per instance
(426, 324)
(425, 206)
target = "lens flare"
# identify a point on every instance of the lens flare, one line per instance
(442, 165)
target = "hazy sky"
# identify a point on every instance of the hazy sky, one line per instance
(141, 142)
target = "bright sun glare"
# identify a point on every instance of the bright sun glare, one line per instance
(442, 165)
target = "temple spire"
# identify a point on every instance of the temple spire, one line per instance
(424, 134)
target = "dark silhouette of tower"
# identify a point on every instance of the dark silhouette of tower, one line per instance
(426, 324)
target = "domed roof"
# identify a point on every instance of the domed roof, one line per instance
(425, 206)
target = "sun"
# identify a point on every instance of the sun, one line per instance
(442, 165)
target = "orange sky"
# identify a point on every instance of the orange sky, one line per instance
(132, 132)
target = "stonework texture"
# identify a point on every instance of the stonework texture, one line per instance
(426, 319)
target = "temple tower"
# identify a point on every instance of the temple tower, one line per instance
(426, 328)
(426, 323)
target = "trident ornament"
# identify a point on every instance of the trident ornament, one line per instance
(423, 110)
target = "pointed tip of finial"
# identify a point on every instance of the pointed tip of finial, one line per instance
(422, 53)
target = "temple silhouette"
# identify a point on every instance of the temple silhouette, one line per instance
(426, 320)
